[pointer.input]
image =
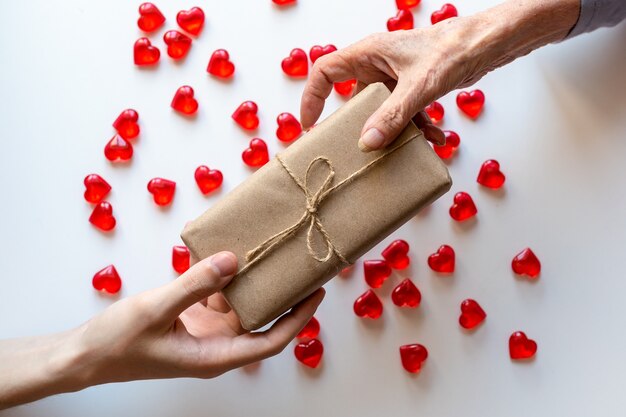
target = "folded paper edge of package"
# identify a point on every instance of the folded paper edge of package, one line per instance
(261, 293)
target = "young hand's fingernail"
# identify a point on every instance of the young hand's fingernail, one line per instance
(225, 262)
(372, 139)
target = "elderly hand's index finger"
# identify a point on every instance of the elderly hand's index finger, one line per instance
(327, 70)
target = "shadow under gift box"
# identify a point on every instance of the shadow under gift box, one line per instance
(349, 220)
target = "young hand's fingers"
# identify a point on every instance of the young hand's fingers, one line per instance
(200, 281)
(253, 347)
(327, 70)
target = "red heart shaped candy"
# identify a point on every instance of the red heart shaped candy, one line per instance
(472, 314)
(446, 12)
(521, 347)
(184, 101)
(407, 4)
(150, 17)
(376, 272)
(256, 154)
(526, 263)
(406, 294)
(311, 330)
(283, 2)
(435, 111)
(246, 115)
(96, 188)
(413, 356)
(443, 260)
(107, 280)
(296, 64)
(220, 64)
(178, 44)
(309, 353)
(345, 88)
(102, 216)
(208, 179)
(446, 150)
(191, 20)
(396, 254)
(490, 175)
(118, 149)
(471, 103)
(180, 259)
(368, 305)
(463, 207)
(402, 21)
(162, 190)
(144, 53)
(289, 128)
(126, 124)
(319, 51)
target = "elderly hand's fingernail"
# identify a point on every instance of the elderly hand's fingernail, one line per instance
(372, 139)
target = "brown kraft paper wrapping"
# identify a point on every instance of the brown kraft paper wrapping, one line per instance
(355, 217)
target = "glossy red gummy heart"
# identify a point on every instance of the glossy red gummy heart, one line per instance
(126, 124)
(345, 88)
(246, 115)
(184, 101)
(472, 314)
(283, 2)
(144, 53)
(490, 175)
(289, 128)
(102, 216)
(296, 64)
(368, 305)
(208, 179)
(413, 356)
(442, 261)
(96, 188)
(311, 330)
(446, 12)
(319, 51)
(435, 111)
(471, 103)
(407, 4)
(463, 207)
(526, 263)
(118, 149)
(150, 17)
(107, 280)
(162, 190)
(178, 44)
(220, 64)
(396, 254)
(402, 21)
(309, 353)
(452, 143)
(406, 294)
(180, 259)
(256, 154)
(521, 347)
(191, 20)
(376, 272)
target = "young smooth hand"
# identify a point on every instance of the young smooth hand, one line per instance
(182, 329)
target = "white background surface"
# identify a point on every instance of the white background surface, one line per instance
(555, 120)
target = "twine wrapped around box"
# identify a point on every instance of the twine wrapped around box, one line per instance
(287, 245)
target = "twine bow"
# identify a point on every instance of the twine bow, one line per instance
(310, 215)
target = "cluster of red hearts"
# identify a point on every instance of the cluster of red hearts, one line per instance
(368, 306)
